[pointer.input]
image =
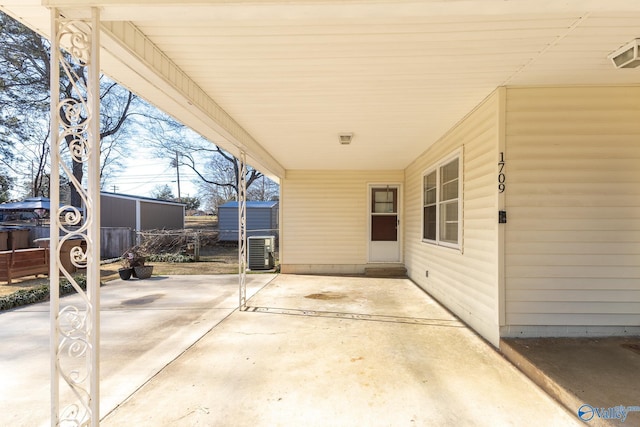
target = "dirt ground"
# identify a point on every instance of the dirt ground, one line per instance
(220, 258)
(216, 258)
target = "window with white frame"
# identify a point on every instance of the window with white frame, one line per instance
(441, 212)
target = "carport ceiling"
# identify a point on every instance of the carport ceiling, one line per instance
(397, 74)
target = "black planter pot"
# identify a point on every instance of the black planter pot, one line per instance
(125, 273)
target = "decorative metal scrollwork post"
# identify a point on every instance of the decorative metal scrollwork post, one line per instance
(75, 139)
(242, 229)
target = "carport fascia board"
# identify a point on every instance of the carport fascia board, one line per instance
(123, 42)
(233, 9)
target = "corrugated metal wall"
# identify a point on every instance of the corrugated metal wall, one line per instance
(117, 212)
(325, 219)
(262, 219)
(573, 236)
(121, 211)
(155, 215)
(465, 281)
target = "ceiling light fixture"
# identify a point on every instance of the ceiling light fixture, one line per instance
(627, 55)
(345, 138)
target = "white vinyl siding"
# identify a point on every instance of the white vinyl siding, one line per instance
(465, 281)
(573, 197)
(325, 219)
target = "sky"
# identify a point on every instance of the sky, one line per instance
(139, 176)
(142, 173)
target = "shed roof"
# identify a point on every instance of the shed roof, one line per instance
(141, 198)
(251, 205)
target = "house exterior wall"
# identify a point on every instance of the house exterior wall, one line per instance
(573, 203)
(466, 281)
(325, 219)
(566, 261)
(158, 215)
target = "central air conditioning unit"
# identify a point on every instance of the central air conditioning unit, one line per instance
(261, 252)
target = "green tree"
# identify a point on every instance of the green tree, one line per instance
(163, 192)
(193, 203)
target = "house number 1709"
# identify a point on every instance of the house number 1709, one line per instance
(501, 176)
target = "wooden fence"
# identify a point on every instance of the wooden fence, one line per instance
(114, 241)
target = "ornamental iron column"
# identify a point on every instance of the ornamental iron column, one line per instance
(75, 138)
(242, 229)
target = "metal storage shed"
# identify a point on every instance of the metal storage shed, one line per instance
(140, 213)
(262, 220)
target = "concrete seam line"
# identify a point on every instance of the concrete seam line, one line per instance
(178, 356)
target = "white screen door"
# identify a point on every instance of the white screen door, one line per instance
(384, 233)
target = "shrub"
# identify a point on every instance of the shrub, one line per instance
(177, 258)
(38, 294)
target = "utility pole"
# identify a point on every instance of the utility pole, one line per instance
(33, 183)
(178, 177)
(115, 188)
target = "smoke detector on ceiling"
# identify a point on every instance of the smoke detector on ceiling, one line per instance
(627, 55)
(345, 138)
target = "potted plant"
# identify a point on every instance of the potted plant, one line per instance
(133, 265)
(125, 273)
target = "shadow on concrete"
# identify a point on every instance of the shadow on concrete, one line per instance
(595, 378)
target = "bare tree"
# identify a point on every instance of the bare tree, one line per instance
(216, 169)
(264, 189)
(25, 100)
(114, 114)
(222, 170)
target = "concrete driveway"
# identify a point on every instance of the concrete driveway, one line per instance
(311, 350)
(145, 325)
(340, 351)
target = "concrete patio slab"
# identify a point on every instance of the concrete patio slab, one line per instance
(340, 351)
(585, 374)
(145, 324)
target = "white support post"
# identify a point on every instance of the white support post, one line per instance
(242, 230)
(75, 138)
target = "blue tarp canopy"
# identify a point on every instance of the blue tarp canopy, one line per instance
(29, 204)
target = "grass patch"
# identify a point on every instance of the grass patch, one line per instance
(203, 222)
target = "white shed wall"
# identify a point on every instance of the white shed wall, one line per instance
(465, 281)
(573, 232)
(325, 219)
